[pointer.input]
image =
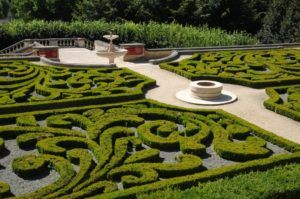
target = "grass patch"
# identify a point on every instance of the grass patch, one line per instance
(279, 182)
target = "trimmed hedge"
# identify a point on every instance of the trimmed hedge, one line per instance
(27, 120)
(2, 145)
(278, 182)
(191, 180)
(289, 107)
(110, 146)
(257, 69)
(26, 165)
(149, 172)
(41, 87)
(4, 190)
(152, 34)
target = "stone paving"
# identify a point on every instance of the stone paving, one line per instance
(249, 105)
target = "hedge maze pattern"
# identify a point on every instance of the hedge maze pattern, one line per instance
(38, 87)
(76, 133)
(259, 68)
(118, 151)
(285, 101)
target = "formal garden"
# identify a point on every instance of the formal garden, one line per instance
(92, 134)
(74, 126)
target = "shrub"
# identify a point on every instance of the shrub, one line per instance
(27, 120)
(289, 108)
(152, 34)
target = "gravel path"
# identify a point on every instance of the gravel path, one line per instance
(19, 185)
(249, 105)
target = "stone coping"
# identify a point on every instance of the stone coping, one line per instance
(173, 56)
(75, 65)
(270, 46)
(28, 58)
(132, 44)
(45, 47)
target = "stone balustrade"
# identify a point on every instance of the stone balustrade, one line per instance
(60, 42)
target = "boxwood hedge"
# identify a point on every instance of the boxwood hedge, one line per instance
(120, 149)
(284, 101)
(252, 68)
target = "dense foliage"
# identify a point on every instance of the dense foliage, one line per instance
(280, 182)
(3, 8)
(281, 23)
(232, 15)
(152, 34)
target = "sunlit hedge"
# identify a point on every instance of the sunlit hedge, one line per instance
(152, 34)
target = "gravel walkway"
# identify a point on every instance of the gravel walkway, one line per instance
(249, 105)
(17, 184)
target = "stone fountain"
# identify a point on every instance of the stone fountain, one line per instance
(111, 52)
(205, 92)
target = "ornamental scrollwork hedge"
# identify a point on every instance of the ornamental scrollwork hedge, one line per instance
(25, 86)
(252, 68)
(284, 101)
(120, 149)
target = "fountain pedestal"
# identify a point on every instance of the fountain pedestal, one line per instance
(206, 89)
(206, 92)
(112, 52)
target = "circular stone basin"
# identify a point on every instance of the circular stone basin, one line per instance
(206, 92)
(110, 37)
(205, 89)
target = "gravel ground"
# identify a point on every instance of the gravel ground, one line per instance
(19, 185)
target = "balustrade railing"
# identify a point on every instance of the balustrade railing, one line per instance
(61, 42)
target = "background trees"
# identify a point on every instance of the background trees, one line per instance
(274, 20)
(3, 9)
(282, 22)
(42, 9)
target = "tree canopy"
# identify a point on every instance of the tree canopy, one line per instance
(275, 20)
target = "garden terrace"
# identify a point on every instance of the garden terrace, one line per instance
(258, 69)
(119, 150)
(26, 87)
(284, 101)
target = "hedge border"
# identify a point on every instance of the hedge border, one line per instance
(228, 79)
(193, 179)
(272, 103)
(33, 106)
(190, 180)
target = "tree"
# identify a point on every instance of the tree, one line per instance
(282, 22)
(231, 15)
(43, 9)
(3, 8)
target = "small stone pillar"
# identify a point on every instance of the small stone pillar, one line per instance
(50, 52)
(81, 42)
(134, 51)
